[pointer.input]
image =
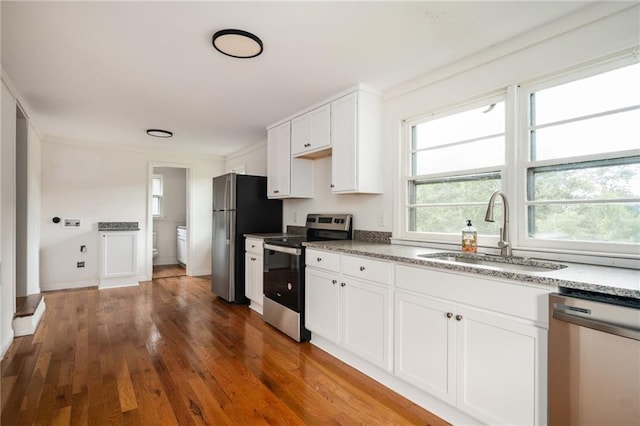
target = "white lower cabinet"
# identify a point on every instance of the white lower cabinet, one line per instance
(118, 258)
(488, 364)
(253, 273)
(322, 303)
(366, 320)
(350, 312)
(476, 343)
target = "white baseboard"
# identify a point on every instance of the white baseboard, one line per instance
(201, 273)
(24, 326)
(68, 285)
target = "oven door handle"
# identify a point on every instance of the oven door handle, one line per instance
(281, 249)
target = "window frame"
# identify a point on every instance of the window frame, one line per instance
(160, 197)
(524, 165)
(404, 234)
(514, 175)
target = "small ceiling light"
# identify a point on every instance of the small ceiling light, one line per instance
(237, 43)
(158, 133)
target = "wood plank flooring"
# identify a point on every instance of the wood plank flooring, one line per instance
(168, 271)
(170, 352)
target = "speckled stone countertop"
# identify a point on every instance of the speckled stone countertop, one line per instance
(118, 226)
(601, 279)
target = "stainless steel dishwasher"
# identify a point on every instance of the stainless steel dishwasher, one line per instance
(594, 359)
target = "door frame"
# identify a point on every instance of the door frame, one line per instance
(149, 225)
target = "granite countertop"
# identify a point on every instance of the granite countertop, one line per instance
(118, 226)
(602, 279)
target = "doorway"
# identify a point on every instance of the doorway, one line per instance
(169, 228)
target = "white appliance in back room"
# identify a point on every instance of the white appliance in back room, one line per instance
(181, 249)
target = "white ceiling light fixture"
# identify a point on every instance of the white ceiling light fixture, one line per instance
(237, 43)
(159, 133)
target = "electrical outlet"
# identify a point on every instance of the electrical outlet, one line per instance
(295, 217)
(380, 219)
(80, 264)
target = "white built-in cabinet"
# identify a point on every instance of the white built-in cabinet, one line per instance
(356, 160)
(253, 273)
(348, 302)
(311, 132)
(346, 126)
(485, 356)
(478, 344)
(118, 258)
(287, 177)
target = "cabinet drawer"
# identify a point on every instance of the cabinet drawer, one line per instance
(367, 269)
(323, 259)
(253, 245)
(509, 298)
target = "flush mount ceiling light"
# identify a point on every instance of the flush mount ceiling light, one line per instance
(158, 133)
(237, 43)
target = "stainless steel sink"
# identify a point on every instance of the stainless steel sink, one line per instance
(494, 262)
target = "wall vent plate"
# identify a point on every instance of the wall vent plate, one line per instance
(71, 223)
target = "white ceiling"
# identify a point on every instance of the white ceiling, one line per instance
(103, 72)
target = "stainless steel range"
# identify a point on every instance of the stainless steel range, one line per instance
(284, 272)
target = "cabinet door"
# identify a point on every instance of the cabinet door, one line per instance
(322, 304)
(499, 364)
(425, 344)
(279, 161)
(344, 144)
(311, 131)
(366, 321)
(118, 254)
(253, 277)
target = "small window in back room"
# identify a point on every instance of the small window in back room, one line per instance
(157, 207)
(583, 174)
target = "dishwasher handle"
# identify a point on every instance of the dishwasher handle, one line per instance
(560, 313)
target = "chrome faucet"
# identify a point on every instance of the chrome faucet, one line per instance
(503, 243)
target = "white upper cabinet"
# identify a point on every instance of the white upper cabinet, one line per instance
(287, 177)
(356, 139)
(347, 126)
(311, 133)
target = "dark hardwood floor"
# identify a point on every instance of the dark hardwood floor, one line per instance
(169, 352)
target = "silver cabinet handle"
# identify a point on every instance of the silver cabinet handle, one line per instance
(458, 317)
(362, 268)
(449, 314)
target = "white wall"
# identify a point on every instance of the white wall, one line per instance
(8, 200)
(175, 213)
(104, 185)
(34, 178)
(252, 158)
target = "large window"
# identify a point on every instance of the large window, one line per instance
(456, 161)
(565, 150)
(583, 174)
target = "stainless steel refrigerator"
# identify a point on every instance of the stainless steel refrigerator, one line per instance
(240, 206)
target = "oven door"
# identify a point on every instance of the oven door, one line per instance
(283, 278)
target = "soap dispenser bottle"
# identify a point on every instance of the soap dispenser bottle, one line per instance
(469, 238)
